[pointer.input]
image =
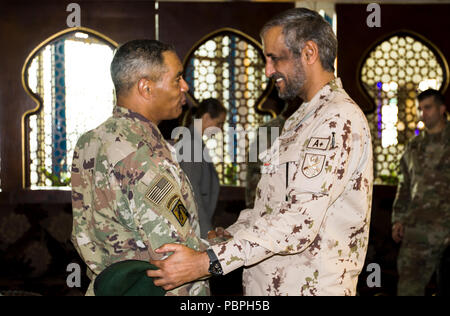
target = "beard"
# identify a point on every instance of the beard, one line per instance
(292, 85)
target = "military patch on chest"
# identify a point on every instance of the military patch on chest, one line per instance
(313, 165)
(318, 143)
(178, 209)
(159, 190)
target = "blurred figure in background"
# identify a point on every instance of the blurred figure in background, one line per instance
(254, 167)
(200, 168)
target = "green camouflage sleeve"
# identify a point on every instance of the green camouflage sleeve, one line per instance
(99, 233)
(403, 196)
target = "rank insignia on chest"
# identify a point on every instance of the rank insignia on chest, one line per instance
(178, 209)
(318, 143)
(313, 165)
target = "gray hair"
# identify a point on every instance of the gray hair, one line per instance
(301, 25)
(138, 59)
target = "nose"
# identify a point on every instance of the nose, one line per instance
(184, 85)
(270, 70)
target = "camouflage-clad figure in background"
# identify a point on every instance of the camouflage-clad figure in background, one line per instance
(129, 194)
(253, 174)
(254, 167)
(308, 231)
(421, 210)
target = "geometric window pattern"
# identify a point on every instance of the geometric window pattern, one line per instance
(393, 74)
(70, 79)
(229, 66)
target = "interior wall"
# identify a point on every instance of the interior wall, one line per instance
(25, 24)
(355, 37)
(35, 226)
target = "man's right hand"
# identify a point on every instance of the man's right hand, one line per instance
(397, 232)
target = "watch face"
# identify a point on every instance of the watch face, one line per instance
(216, 268)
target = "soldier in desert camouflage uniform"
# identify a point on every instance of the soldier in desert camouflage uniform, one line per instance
(308, 232)
(129, 194)
(421, 210)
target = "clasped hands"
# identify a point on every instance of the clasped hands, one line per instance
(184, 264)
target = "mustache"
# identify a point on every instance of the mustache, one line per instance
(277, 76)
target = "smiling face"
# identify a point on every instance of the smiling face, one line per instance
(169, 93)
(282, 66)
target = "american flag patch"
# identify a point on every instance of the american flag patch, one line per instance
(159, 191)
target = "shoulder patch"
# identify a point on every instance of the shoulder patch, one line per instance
(159, 190)
(313, 165)
(178, 209)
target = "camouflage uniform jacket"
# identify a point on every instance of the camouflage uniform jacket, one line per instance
(129, 197)
(308, 237)
(422, 193)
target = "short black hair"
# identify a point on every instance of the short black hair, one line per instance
(212, 106)
(138, 59)
(438, 97)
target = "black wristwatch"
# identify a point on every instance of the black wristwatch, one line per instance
(215, 268)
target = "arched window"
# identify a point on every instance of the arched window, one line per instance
(68, 77)
(392, 74)
(229, 65)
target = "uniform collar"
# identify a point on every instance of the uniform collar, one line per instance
(443, 135)
(138, 119)
(319, 99)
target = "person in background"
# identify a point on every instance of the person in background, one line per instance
(200, 169)
(421, 210)
(254, 167)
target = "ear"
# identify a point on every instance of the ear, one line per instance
(442, 109)
(145, 88)
(310, 52)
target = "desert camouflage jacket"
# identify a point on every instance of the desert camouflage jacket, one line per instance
(308, 231)
(130, 196)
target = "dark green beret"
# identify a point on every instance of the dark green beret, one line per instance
(127, 278)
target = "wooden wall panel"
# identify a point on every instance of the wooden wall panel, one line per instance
(23, 26)
(183, 24)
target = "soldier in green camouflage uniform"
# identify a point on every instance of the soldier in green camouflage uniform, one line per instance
(129, 194)
(421, 210)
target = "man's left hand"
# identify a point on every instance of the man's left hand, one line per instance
(183, 266)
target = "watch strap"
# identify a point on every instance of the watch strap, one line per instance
(215, 268)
